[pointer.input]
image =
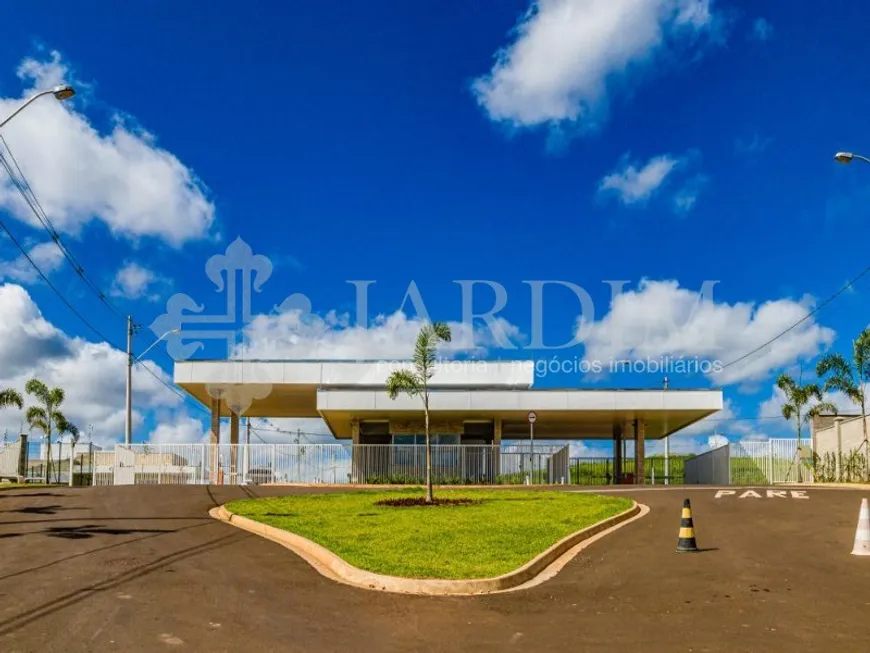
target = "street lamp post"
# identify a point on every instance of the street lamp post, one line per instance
(128, 424)
(848, 157)
(61, 93)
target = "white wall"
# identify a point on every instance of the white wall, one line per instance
(851, 436)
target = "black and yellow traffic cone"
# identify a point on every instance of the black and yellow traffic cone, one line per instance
(687, 542)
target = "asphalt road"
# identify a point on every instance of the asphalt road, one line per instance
(145, 569)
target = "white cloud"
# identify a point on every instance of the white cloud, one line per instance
(633, 184)
(662, 319)
(566, 55)
(121, 178)
(686, 198)
(181, 429)
(755, 144)
(132, 281)
(718, 421)
(92, 374)
(47, 256)
(716, 441)
(45, 74)
(292, 334)
(278, 430)
(762, 30)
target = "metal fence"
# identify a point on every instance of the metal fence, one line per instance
(52, 464)
(777, 460)
(710, 468)
(601, 471)
(242, 464)
(28, 459)
(768, 462)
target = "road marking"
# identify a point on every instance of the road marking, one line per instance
(770, 494)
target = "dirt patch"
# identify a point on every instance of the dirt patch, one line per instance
(410, 502)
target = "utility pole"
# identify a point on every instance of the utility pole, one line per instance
(247, 446)
(298, 457)
(128, 425)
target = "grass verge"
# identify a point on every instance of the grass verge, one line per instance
(19, 486)
(500, 532)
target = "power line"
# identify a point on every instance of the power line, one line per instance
(26, 190)
(294, 432)
(53, 287)
(259, 437)
(801, 321)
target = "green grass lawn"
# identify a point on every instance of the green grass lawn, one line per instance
(501, 533)
(18, 486)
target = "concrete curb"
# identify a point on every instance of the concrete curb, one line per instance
(536, 571)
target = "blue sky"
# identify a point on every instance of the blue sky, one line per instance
(663, 143)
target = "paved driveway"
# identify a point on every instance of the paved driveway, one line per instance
(144, 569)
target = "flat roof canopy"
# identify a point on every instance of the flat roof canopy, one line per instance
(340, 392)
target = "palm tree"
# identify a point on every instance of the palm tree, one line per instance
(850, 379)
(10, 397)
(797, 404)
(46, 416)
(416, 382)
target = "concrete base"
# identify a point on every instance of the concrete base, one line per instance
(536, 571)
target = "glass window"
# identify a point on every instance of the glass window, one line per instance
(444, 438)
(420, 438)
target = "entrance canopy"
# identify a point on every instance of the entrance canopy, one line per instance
(345, 393)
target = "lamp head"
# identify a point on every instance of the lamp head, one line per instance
(63, 92)
(844, 157)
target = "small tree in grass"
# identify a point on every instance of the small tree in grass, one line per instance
(799, 406)
(851, 378)
(416, 382)
(46, 416)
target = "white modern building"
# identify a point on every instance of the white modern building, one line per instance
(471, 402)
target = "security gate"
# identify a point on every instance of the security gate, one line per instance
(225, 464)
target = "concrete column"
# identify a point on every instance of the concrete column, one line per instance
(617, 454)
(22, 456)
(215, 438)
(495, 458)
(215, 421)
(839, 422)
(354, 431)
(356, 455)
(639, 450)
(234, 439)
(234, 428)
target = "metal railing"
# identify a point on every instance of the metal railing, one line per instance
(767, 462)
(241, 464)
(777, 460)
(601, 470)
